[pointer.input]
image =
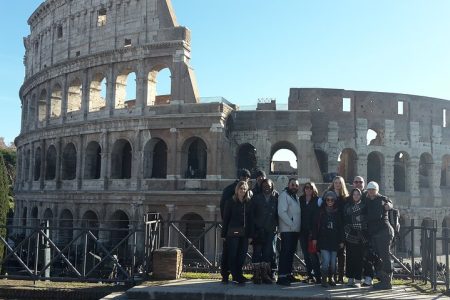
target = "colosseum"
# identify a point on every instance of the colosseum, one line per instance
(89, 149)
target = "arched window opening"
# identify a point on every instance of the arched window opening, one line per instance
(37, 164)
(89, 221)
(247, 158)
(69, 162)
(348, 164)
(121, 160)
(125, 90)
(401, 161)
(34, 217)
(374, 167)
(74, 95)
(445, 171)
(55, 101)
(119, 222)
(371, 137)
(322, 162)
(27, 165)
(193, 229)
(42, 106)
(283, 159)
(155, 159)
(195, 157)
(425, 170)
(93, 161)
(159, 87)
(48, 216)
(97, 93)
(50, 163)
(24, 217)
(66, 227)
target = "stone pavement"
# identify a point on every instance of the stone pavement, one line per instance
(213, 290)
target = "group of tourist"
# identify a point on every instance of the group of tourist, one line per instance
(351, 230)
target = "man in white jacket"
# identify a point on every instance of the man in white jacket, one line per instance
(289, 227)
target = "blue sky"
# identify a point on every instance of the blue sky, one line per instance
(245, 50)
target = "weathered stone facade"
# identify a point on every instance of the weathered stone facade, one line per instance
(87, 151)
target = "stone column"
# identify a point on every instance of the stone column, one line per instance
(141, 88)
(388, 178)
(436, 183)
(79, 174)
(111, 90)
(212, 237)
(58, 163)
(412, 183)
(307, 166)
(213, 164)
(333, 136)
(85, 94)
(43, 164)
(64, 95)
(361, 165)
(104, 171)
(173, 156)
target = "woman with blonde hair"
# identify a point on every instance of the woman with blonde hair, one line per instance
(339, 187)
(237, 229)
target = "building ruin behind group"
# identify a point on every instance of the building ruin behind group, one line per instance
(98, 144)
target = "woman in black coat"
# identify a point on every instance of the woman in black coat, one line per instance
(237, 229)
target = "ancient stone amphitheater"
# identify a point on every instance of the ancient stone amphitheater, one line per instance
(99, 144)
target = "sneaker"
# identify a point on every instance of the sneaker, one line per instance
(292, 278)
(283, 281)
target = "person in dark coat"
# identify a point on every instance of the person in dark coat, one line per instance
(381, 233)
(227, 194)
(237, 229)
(260, 176)
(328, 236)
(265, 221)
(309, 210)
(356, 239)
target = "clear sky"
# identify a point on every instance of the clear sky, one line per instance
(249, 49)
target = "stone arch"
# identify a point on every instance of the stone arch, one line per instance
(75, 95)
(119, 223)
(50, 163)
(34, 217)
(27, 164)
(155, 159)
(66, 227)
(69, 162)
(283, 167)
(37, 164)
(194, 158)
(93, 161)
(445, 171)
(48, 215)
(375, 163)
(246, 158)
(42, 105)
(56, 101)
(401, 165)
(348, 164)
(121, 160)
(193, 227)
(89, 220)
(159, 89)
(97, 92)
(24, 216)
(125, 89)
(322, 161)
(425, 170)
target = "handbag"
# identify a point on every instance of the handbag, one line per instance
(312, 248)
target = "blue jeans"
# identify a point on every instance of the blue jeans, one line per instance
(328, 262)
(289, 242)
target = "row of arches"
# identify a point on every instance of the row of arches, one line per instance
(52, 101)
(154, 162)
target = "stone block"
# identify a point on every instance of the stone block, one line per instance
(167, 263)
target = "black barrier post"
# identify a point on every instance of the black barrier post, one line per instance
(413, 269)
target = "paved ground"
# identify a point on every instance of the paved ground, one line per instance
(214, 290)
